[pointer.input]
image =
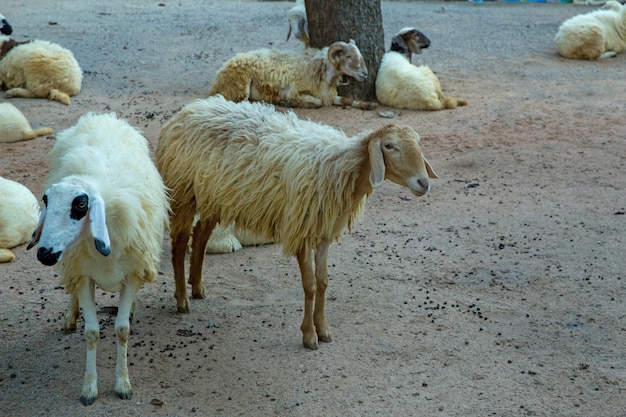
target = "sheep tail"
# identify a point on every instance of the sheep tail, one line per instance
(453, 103)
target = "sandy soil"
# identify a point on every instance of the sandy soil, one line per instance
(500, 293)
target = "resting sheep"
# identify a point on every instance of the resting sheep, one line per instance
(298, 23)
(294, 79)
(5, 27)
(14, 126)
(595, 35)
(402, 85)
(19, 211)
(298, 182)
(104, 216)
(38, 68)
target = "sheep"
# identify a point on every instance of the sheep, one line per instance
(298, 182)
(38, 68)
(595, 35)
(298, 23)
(103, 221)
(402, 85)
(293, 79)
(14, 126)
(5, 27)
(19, 213)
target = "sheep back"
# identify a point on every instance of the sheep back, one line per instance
(19, 212)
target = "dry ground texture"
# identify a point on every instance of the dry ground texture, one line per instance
(500, 293)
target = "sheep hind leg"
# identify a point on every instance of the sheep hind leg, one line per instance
(180, 230)
(122, 331)
(87, 300)
(60, 96)
(309, 336)
(321, 279)
(349, 102)
(71, 315)
(201, 233)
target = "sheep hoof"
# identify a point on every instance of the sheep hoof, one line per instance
(125, 395)
(88, 399)
(183, 307)
(198, 293)
(325, 338)
(310, 344)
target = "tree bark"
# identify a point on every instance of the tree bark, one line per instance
(342, 20)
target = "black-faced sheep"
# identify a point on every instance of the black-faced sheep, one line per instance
(595, 35)
(298, 182)
(294, 79)
(14, 126)
(298, 23)
(19, 211)
(5, 27)
(38, 69)
(104, 216)
(402, 85)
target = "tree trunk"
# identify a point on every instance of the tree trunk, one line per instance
(342, 20)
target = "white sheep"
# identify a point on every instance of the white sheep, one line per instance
(38, 69)
(14, 126)
(104, 216)
(595, 35)
(5, 27)
(19, 211)
(292, 78)
(298, 23)
(298, 182)
(402, 85)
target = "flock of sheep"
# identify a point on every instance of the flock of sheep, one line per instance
(263, 175)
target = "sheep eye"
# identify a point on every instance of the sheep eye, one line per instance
(389, 146)
(80, 206)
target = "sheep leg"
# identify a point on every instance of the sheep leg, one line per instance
(71, 315)
(309, 336)
(180, 232)
(87, 300)
(201, 233)
(349, 102)
(321, 279)
(122, 331)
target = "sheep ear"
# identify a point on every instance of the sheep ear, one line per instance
(431, 172)
(377, 162)
(37, 233)
(98, 226)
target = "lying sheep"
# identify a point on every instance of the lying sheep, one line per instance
(104, 216)
(294, 79)
(595, 35)
(19, 212)
(298, 23)
(38, 68)
(14, 126)
(5, 27)
(298, 182)
(402, 85)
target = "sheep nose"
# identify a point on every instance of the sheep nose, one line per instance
(47, 257)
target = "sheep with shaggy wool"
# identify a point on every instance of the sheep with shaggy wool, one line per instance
(14, 126)
(19, 211)
(298, 182)
(38, 69)
(292, 78)
(598, 34)
(104, 217)
(402, 85)
(5, 27)
(298, 23)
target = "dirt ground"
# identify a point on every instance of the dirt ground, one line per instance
(499, 293)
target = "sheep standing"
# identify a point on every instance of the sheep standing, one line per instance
(294, 79)
(298, 23)
(298, 182)
(38, 68)
(104, 216)
(14, 126)
(5, 27)
(402, 85)
(595, 35)
(19, 212)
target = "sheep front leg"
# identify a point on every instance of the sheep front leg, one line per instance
(122, 331)
(321, 279)
(309, 336)
(87, 301)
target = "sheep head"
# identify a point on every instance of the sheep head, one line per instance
(72, 211)
(395, 154)
(409, 40)
(5, 27)
(347, 59)
(299, 25)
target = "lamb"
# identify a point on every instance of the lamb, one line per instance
(595, 35)
(103, 221)
(294, 79)
(38, 68)
(298, 23)
(402, 85)
(14, 126)
(19, 212)
(298, 182)
(5, 27)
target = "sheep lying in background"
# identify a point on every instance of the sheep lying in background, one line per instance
(38, 69)
(298, 23)
(402, 85)
(294, 79)
(595, 35)
(5, 27)
(14, 126)
(19, 212)
(298, 182)
(104, 216)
